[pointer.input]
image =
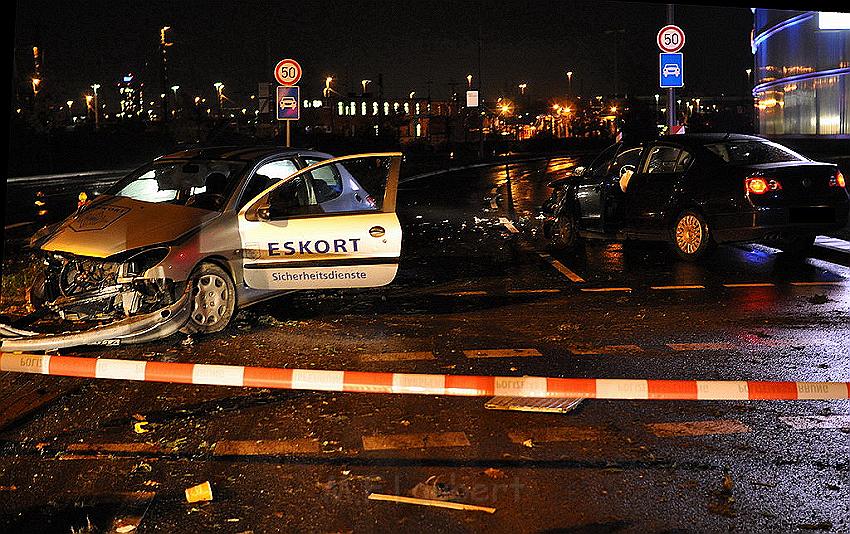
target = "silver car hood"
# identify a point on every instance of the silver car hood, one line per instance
(116, 224)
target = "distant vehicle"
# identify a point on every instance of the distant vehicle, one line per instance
(288, 102)
(219, 229)
(695, 191)
(671, 69)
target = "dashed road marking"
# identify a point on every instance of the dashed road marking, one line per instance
(662, 288)
(414, 441)
(558, 434)
(532, 291)
(260, 447)
(754, 284)
(701, 346)
(605, 289)
(563, 269)
(832, 243)
(813, 422)
(697, 428)
(396, 356)
(607, 349)
(112, 448)
(508, 224)
(818, 283)
(501, 353)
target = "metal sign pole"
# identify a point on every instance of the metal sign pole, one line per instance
(288, 144)
(671, 92)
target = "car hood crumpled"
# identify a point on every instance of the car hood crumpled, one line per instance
(116, 224)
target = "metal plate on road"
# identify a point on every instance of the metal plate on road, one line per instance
(533, 405)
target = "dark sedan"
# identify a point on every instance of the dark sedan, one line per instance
(695, 191)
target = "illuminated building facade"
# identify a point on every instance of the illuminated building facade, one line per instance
(802, 72)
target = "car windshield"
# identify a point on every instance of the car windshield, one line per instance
(753, 152)
(203, 184)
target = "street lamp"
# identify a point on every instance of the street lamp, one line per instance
(327, 90)
(522, 87)
(95, 87)
(469, 81)
(364, 83)
(218, 88)
(35, 83)
(570, 81)
(174, 89)
(411, 95)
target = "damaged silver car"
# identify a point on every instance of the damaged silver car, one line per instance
(185, 241)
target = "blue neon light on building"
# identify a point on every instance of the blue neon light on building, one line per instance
(802, 74)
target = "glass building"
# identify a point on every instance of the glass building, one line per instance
(802, 72)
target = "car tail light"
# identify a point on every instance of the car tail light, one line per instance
(837, 180)
(759, 185)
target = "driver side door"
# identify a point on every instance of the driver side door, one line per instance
(297, 235)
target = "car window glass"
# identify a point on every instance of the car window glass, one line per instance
(663, 159)
(178, 181)
(629, 157)
(268, 174)
(684, 160)
(327, 183)
(753, 152)
(602, 162)
(291, 199)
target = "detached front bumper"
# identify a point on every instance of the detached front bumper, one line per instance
(136, 329)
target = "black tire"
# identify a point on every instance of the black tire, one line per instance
(796, 245)
(563, 231)
(690, 236)
(212, 300)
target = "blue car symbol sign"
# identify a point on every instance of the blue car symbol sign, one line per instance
(288, 103)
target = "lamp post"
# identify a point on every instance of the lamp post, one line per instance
(469, 81)
(364, 83)
(570, 82)
(218, 88)
(95, 87)
(174, 89)
(326, 92)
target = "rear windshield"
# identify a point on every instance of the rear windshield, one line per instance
(753, 152)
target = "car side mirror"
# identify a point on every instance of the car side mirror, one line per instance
(264, 212)
(579, 171)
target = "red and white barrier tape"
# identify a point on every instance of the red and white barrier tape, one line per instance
(422, 384)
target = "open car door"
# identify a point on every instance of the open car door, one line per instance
(330, 225)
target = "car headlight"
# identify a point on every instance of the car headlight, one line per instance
(137, 264)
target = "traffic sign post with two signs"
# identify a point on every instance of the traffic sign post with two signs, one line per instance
(671, 65)
(288, 98)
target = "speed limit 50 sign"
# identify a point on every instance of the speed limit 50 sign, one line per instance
(287, 72)
(671, 39)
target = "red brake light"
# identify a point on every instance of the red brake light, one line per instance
(759, 185)
(838, 180)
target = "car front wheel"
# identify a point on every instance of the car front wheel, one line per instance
(212, 302)
(690, 236)
(563, 233)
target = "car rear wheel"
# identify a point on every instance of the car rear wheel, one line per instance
(690, 236)
(212, 302)
(563, 232)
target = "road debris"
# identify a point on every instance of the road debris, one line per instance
(199, 493)
(818, 298)
(141, 427)
(494, 473)
(528, 443)
(432, 488)
(427, 502)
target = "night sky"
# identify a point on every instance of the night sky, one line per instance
(409, 42)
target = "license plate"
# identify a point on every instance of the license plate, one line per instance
(811, 215)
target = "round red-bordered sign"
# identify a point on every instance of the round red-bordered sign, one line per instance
(287, 72)
(670, 39)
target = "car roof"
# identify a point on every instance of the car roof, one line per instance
(240, 153)
(699, 139)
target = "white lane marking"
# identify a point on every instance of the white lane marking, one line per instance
(754, 284)
(817, 283)
(271, 447)
(562, 268)
(606, 349)
(501, 353)
(832, 243)
(813, 422)
(697, 428)
(17, 225)
(396, 356)
(662, 288)
(414, 441)
(509, 225)
(701, 346)
(604, 289)
(559, 434)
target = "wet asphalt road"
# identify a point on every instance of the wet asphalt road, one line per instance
(307, 461)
